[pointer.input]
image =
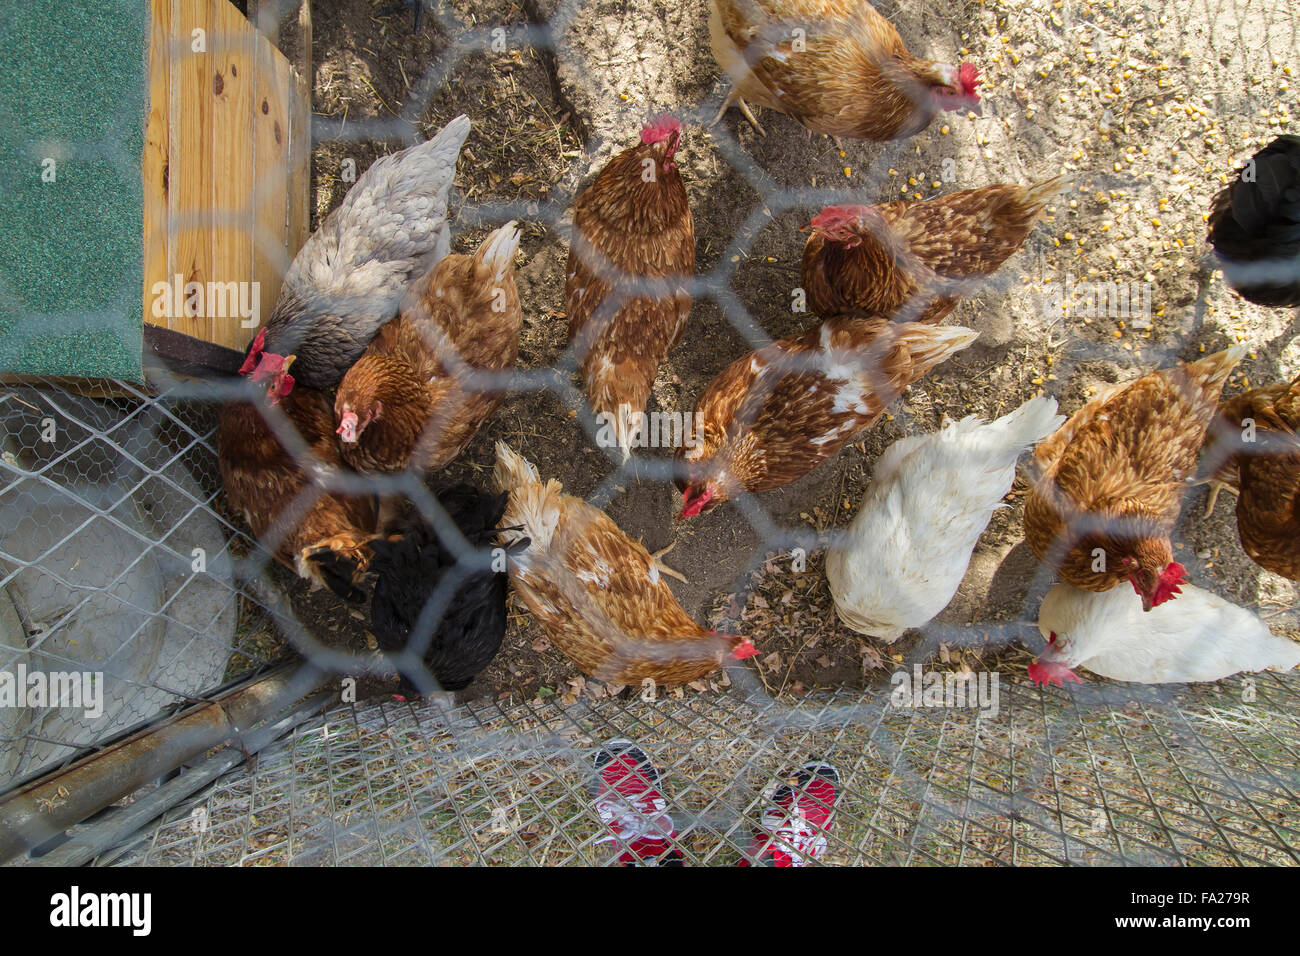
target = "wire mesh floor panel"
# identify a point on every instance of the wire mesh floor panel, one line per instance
(1109, 775)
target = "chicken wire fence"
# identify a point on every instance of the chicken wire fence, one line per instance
(117, 556)
(116, 569)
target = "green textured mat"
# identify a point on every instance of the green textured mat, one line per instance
(74, 90)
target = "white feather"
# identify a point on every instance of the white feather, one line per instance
(1197, 636)
(903, 557)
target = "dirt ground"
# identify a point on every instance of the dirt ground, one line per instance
(1151, 107)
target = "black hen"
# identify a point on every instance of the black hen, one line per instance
(1255, 226)
(470, 630)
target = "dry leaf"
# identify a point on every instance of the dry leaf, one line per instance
(824, 661)
(871, 658)
(772, 662)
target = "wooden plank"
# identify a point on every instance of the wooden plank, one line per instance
(190, 175)
(154, 171)
(227, 164)
(299, 160)
(262, 14)
(304, 61)
(271, 248)
(232, 171)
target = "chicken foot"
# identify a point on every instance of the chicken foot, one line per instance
(735, 97)
(663, 568)
(1215, 488)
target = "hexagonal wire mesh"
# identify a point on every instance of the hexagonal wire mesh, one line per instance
(1104, 773)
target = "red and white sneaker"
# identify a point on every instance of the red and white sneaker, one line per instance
(792, 832)
(626, 795)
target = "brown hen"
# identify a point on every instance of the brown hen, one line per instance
(1112, 479)
(411, 397)
(772, 416)
(633, 252)
(908, 260)
(1253, 450)
(598, 594)
(836, 66)
(322, 535)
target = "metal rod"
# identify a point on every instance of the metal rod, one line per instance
(41, 810)
(89, 842)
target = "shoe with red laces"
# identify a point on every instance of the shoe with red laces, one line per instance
(792, 831)
(627, 797)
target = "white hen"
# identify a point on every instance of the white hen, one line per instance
(902, 559)
(1199, 637)
(349, 277)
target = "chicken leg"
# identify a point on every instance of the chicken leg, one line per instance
(735, 97)
(1215, 488)
(663, 568)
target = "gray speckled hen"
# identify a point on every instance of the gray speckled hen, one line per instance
(349, 277)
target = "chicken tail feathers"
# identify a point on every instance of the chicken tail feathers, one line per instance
(1030, 423)
(1210, 374)
(1036, 197)
(497, 253)
(929, 345)
(512, 470)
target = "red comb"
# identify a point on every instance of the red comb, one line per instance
(744, 648)
(969, 76)
(660, 128)
(834, 215)
(254, 353)
(1169, 586)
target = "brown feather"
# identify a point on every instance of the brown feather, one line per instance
(772, 416)
(632, 253)
(1113, 477)
(264, 482)
(903, 256)
(1262, 464)
(457, 319)
(854, 76)
(597, 593)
